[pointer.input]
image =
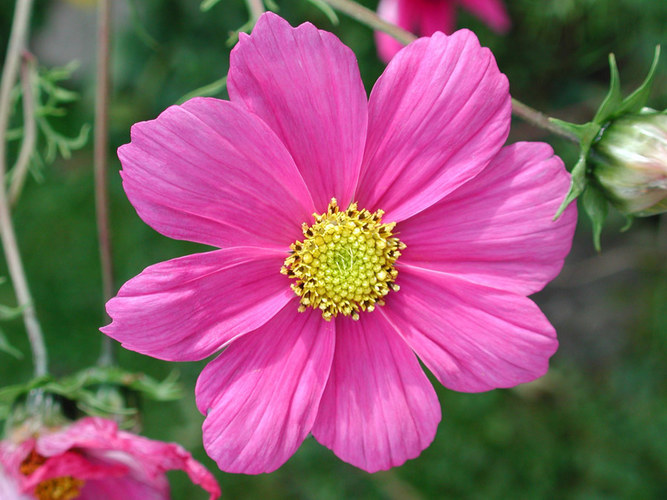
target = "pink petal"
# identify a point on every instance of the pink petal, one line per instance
(473, 338)
(261, 394)
(492, 12)
(437, 115)
(124, 488)
(188, 308)
(378, 408)
(425, 17)
(72, 464)
(497, 230)
(136, 457)
(387, 45)
(209, 171)
(305, 84)
(9, 488)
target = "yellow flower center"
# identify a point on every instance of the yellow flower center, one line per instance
(57, 488)
(345, 264)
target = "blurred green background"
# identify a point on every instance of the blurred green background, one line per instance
(594, 427)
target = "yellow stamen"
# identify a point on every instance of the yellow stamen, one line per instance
(345, 264)
(57, 488)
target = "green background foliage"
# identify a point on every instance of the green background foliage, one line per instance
(594, 427)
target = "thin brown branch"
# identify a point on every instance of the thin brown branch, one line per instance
(371, 19)
(21, 167)
(16, 47)
(101, 162)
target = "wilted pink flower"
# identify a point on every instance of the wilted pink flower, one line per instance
(92, 460)
(425, 17)
(245, 175)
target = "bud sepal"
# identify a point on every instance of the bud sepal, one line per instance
(595, 139)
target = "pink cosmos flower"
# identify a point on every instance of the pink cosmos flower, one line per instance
(91, 460)
(425, 17)
(466, 234)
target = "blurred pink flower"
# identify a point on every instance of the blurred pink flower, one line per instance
(425, 17)
(92, 460)
(243, 176)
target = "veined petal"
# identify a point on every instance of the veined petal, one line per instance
(473, 338)
(188, 308)
(211, 172)
(437, 115)
(497, 230)
(305, 84)
(492, 12)
(378, 408)
(260, 396)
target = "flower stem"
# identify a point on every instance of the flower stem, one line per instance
(256, 8)
(20, 170)
(15, 48)
(372, 20)
(540, 120)
(101, 164)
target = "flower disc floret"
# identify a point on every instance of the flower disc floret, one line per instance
(57, 488)
(345, 264)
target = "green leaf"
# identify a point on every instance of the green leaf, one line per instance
(613, 99)
(326, 10)
(139, 27)
(84, 388)
(271, 5)
(6, 347)
(637, 100)
(577, 185)
(596, 206)
(8, 313)
(212, 89)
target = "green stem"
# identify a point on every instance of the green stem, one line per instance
(16, 47)
(256, 8)
(540, 120)
(372, 20)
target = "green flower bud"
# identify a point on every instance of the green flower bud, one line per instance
(629, 161)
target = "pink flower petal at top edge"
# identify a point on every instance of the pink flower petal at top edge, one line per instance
(261, 394)
(305, 84)
(378, 408)
(492, 12)
(101, 441)
(209, 171)
(437, 115)
(188, 308)
(473, 338)
(497, 230)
